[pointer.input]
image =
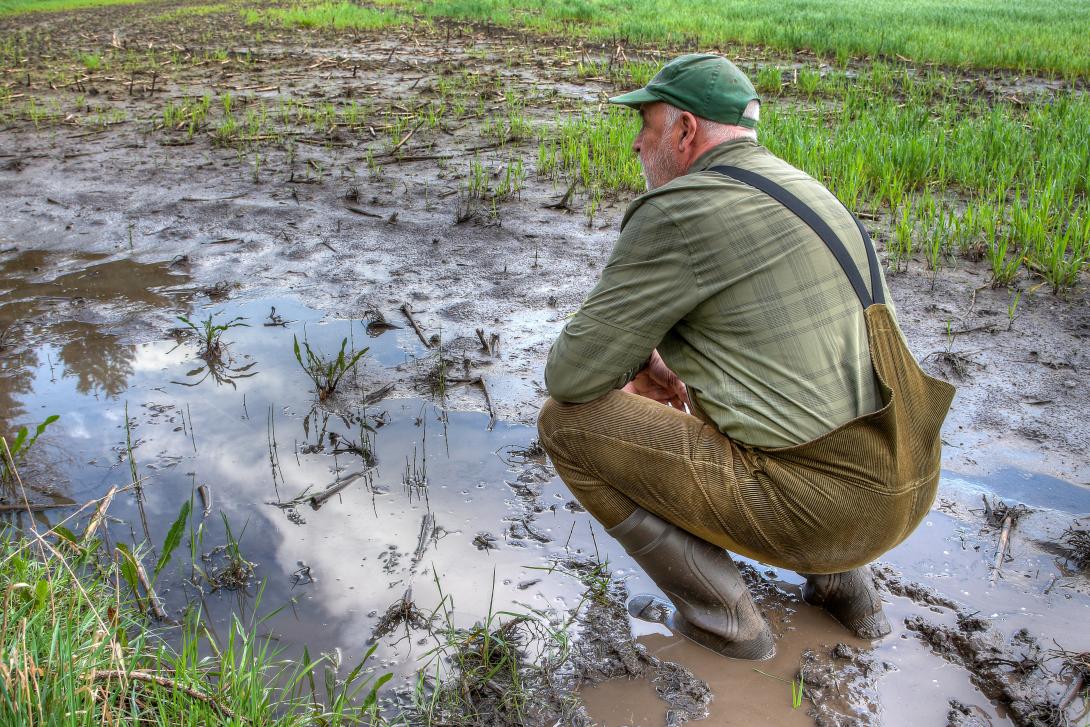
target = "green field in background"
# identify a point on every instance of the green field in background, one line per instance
(1042, 36)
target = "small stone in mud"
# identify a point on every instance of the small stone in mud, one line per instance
(843, 651)
(523, 585)
(574, 506)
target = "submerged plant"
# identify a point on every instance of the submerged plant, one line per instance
(325, 373)
(226, 567)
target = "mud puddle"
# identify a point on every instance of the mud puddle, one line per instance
(84, 332)
(940, 595)
(350, 510)
(429, 504)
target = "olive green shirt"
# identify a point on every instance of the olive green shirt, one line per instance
(742, 299)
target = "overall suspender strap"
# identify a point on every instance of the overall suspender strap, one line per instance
(822, 229)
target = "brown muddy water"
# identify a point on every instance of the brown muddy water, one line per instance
(438, 504)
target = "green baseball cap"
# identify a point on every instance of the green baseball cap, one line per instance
(704, 84)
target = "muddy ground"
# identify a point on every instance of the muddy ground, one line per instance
(346, 224)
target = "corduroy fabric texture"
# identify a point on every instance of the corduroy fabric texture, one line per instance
(828, 505)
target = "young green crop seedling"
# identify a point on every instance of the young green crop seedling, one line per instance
(213, 351)
(210, 334)
(326, 373)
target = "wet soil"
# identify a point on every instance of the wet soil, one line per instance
(109, 233)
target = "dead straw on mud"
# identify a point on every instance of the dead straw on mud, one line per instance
(998, 514)
(1076, 667)
(1076, 541)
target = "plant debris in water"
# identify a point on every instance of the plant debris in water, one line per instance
(996, 512)
(402, 612)
(227, 569)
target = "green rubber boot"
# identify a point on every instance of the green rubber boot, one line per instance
(851, 598)
(711, 604)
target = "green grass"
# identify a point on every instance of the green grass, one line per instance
(595, 148)
(13, 7)
(1040, 35)
(194, 11)
(80, 651)
(1001, 182)
(343, 15)
(1044, 36)
(957, 176)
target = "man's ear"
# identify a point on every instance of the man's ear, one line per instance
(687, 128)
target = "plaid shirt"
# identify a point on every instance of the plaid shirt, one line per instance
(741, 298)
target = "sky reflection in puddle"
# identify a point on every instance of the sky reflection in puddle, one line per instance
(260, 440)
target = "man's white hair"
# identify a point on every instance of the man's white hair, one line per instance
(715, 130)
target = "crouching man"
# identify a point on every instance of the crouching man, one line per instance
(736, 381)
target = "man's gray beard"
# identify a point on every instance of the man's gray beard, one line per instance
(659, 164)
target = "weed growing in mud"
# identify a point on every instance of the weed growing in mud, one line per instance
(513, 126)
(226, 568)
(1004, 267)
(415, 478)
(511, 180)
(210, 335)
(494, 668)
(477, 180)
(1012, 309)
(798, 686)
(808, 81)
(91, 61)
(325, 373)
(213, 352)
(594, 149)
(16, 451)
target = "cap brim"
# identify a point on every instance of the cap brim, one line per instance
(635, 98)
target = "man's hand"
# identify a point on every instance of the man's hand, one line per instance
(659, 383)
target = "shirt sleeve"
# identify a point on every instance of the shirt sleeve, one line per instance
(647, 286)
